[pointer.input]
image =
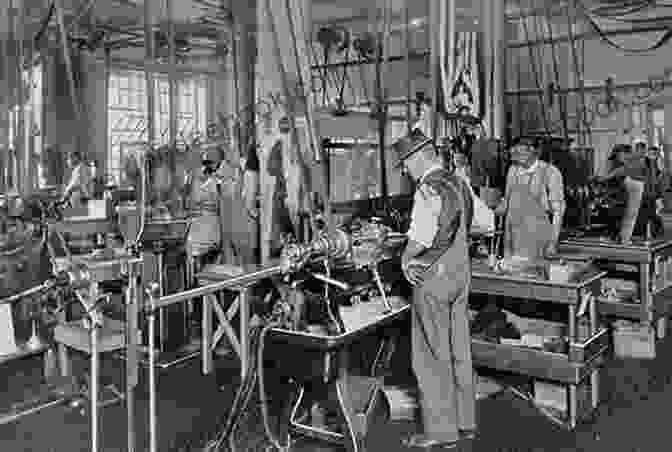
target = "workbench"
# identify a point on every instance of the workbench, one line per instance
(328, 358)
(651, 260)
(584, 355)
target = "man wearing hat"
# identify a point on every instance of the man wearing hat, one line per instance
(533, 204)
(436, 263)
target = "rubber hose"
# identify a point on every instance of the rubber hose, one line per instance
(242, 396)
(262, 393)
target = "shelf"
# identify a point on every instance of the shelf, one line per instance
(533, 363)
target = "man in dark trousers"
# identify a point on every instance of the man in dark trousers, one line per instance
(436, 263)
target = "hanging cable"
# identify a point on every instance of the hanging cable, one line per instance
(589, 16)
(535, 73)
(578, 72)
(562, 105)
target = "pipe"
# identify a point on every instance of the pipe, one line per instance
(94, 389)
(409, 83)
(172, 82)
(131, 356)
(248, 278)
(434, 58)
(396, 58)
(149, 75)
(153, 420)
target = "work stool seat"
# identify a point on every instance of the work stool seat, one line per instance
(75, 335)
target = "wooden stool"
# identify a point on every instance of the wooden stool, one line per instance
(79, 336)
(240, 305)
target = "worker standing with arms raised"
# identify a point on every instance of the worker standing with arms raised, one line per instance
(534, 203)
(436, 263)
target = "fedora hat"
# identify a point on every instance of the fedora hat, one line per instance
(408, 145)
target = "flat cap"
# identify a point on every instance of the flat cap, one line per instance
(408, 145)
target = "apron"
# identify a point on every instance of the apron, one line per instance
(204, 230)
(441, 342)
(527, 231)
(238, 228)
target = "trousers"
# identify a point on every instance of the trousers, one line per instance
(441, 359)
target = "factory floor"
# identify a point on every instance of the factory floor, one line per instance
(634, 416)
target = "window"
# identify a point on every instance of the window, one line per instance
(127, 113)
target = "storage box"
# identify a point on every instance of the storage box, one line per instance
(634, 341)
(555, 397)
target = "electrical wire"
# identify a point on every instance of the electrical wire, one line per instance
(589, 15)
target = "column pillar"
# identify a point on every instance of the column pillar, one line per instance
(493, 23)
(245, 17)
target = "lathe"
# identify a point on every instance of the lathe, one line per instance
(332, 296)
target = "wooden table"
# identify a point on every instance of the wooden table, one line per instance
(651, 260)
(583, 357)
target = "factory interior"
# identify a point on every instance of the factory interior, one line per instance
(335, 225)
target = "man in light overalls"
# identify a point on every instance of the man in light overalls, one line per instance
(436, 262)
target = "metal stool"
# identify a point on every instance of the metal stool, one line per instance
(92, 337)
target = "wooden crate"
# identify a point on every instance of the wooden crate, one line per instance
(634, 341)
(555, 396)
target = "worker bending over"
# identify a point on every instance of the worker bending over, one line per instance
(533, 205)
(436, 263)
(643, 183)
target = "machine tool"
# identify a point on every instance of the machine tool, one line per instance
(308, 319)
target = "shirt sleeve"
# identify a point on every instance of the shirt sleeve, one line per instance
(427, 206)
(556, 190)
(75, 179)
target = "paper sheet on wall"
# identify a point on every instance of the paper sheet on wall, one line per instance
(7, 338)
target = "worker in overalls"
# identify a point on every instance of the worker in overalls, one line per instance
(204, 239)
(533, 204)
(436, 263)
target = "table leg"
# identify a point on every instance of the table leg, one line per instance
(206, 334)
(244, 314)
(595, 374)
(94, 391)
(162, 315)
(645, 294)
(132, 376)
(572, 405)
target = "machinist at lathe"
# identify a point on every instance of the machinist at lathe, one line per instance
(436, 263)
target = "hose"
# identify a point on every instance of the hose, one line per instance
(274, 440)
(255, 376)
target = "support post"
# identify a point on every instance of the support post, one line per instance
(149, 74)
(172, 79)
